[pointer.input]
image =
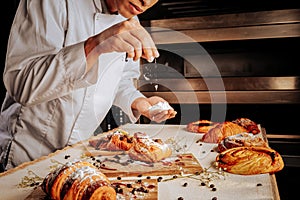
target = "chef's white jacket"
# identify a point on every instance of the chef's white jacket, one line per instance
(51, 100)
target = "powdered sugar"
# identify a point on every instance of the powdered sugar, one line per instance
(160, 106)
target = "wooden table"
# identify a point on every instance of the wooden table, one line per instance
(228, 187)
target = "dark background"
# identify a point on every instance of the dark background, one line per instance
(8, 11)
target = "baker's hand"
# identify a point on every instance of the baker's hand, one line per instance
(128, 36)
(144, 105)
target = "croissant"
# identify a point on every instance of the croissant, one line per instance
(222, 130)
(241, 139)
(248, 124)
(77, 181)
(148, 150)
(118, 140)
(250, 160)
(200, 126)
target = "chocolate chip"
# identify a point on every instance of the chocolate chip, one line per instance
(119, 190)
(133, 191)
(159, 179)
(139, 181)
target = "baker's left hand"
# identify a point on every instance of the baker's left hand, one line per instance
(144, 105)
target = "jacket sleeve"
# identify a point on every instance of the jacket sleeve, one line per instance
(39, 67)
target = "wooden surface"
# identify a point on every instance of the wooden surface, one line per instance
(188, 186)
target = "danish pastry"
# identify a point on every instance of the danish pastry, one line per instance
(200, 126)
(148, 150)
(118, 140)
(240, 140)
(250, 160)
(248, 124)
(77, 181)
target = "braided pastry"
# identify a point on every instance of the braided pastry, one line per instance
(76, 181)
(250, 160)
(148, 150)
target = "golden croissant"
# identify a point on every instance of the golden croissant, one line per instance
(221, 131)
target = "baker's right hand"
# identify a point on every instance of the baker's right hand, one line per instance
(128, 36)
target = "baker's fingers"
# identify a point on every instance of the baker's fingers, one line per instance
(149, 54)
(149, 48)
(136, 47)
(163, 115)
(130, 37)
(172, 114)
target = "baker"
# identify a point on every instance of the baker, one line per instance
(67, 63)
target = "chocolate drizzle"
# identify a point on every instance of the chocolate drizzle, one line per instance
(92, 187)
(51, 177)
(66, 186)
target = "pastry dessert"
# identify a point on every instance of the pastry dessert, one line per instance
(250, 160)
(248, 124)
(221, 131)
(118, 140)
(148, 150)
(78, 180)
(200, 126)
(240, 140)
